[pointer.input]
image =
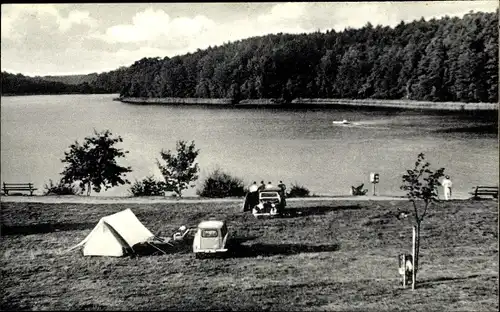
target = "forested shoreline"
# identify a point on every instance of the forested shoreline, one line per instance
(439, 60)
(317, 103)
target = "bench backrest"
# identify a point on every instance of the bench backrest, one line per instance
(7, 185)
(486, 190)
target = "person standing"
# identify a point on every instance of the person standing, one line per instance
(253, 195)
(282, 186)
(269, 185)
(446, 183)
(262, 185)
(253, 188)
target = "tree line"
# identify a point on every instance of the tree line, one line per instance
(18, 84)
(450, 59)
(108, 82)
(447, 59)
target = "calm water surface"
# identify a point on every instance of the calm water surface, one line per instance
(296, 146)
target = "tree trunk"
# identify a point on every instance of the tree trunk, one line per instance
(417, 248)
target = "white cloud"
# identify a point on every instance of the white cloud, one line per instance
(191, 26)
(151, 25)
(146, 25)
(76, 17)
(16, 18)
(283, 12)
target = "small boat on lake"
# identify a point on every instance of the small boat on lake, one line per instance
(343, 122)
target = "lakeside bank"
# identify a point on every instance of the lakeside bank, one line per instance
(316, 103)
(74, 199)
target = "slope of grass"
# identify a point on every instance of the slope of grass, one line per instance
(332, 255)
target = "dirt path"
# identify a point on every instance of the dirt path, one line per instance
(152, 200)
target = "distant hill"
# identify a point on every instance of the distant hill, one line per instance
(108, 82)
(23, 85)
(71, 79)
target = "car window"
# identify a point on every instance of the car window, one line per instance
(209, 233)
(269, 195)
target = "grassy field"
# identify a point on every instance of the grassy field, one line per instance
(335, 255)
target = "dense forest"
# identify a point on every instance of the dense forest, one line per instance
(71, 79)
(449, 59)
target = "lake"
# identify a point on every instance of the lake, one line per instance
(297, 146)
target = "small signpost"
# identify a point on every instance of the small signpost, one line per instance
(374, 179)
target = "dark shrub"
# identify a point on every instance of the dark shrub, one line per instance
(60, 188)
(148, 187)
(298, 191)
(220, 184)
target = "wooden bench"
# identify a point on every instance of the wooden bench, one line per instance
(27, 187)
(485, 191)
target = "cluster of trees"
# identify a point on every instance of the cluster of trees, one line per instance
(93, 165)
(450, 59)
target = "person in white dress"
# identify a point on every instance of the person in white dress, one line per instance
(446, 183)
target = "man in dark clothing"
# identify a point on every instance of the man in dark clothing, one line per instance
(282, 186)
(253, 195)
(262, 185)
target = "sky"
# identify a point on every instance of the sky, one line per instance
(65, 39)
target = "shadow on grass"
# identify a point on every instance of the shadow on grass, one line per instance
(478, 198)
(178, 247)
(159, 249)
(439, 280)
(236, 241)
(489, 129)
(315, 210)
(237, 250)
(44, 228)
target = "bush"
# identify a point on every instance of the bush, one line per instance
(60, 188)
(298, 191)
(148, 187)
(220, 184)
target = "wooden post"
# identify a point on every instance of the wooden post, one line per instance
(404, 275)
(413, 259)
(374, 188)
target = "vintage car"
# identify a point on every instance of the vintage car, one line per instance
(210, 238)
(271, 202)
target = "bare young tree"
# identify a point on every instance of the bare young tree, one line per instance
(420, 184)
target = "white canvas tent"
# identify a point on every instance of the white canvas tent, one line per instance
(114, 235)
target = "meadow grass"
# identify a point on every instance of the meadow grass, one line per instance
(332, 255)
